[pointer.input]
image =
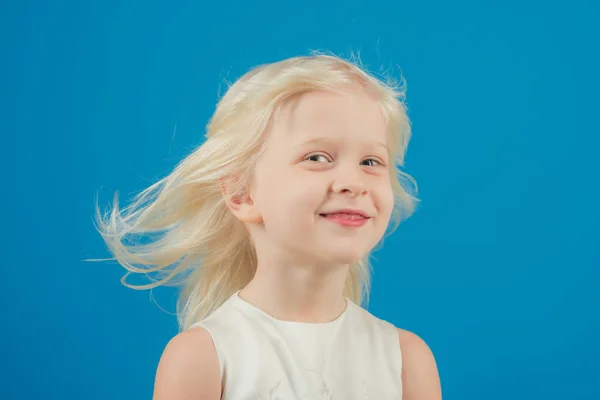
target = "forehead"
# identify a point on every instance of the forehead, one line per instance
(351, 114)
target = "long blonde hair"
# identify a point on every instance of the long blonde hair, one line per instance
(196, 242)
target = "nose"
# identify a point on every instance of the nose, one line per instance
(349, 184)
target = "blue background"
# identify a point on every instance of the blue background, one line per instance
(498, 270)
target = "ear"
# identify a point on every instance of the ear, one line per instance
(239, 201)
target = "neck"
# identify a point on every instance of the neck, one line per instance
(299, 293)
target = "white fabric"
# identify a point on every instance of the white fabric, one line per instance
(357, 356)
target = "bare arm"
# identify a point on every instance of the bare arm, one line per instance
(189, 368)
(420, 378)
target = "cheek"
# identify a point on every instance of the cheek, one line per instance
(300, 198)
(386, 201)
(279, 195)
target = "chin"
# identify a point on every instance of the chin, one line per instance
(346, 255)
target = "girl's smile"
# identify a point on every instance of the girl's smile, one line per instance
(347, 218)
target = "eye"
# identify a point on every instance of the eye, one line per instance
(372, 162)
(317, 158)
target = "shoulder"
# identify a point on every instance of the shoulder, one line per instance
(420, 378)
(189, 368)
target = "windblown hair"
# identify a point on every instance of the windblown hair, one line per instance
(196, 242)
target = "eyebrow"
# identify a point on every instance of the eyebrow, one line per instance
(326, 140)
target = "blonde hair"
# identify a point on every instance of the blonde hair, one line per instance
(196, 241)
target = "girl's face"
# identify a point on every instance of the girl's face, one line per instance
(322, 188)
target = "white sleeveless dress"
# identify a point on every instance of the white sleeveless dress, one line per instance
(355, 357)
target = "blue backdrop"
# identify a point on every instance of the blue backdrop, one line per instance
(498, 270)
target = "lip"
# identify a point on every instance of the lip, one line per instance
(347, 211)
(347, 222)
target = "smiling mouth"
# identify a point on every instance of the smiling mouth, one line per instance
(346, 220)
(348, 216)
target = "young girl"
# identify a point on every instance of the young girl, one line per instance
(270, 223)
